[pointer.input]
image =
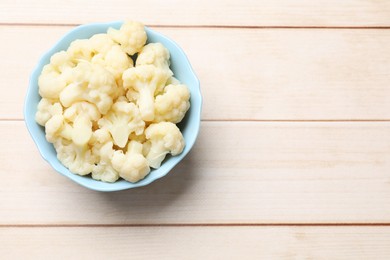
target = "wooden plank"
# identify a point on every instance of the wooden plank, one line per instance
(202, 12)
(196, 243)
(260, 75)
(238, 172)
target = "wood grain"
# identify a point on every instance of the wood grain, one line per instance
(197, 243)
(202, 12)
(278, 74)
(238, 172)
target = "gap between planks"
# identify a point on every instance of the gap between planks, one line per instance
(217, 26)
(195, 225)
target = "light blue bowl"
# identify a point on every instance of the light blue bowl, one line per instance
(182, 71)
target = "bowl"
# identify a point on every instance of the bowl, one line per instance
(189, 126)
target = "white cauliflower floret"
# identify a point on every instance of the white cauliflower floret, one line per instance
(92, 83)
(78, 159)
(80, 50)
(154, 54)
(75, 124)
(86, 49)
(55, 128)
(142, 82)
(83, 115)
(101, 43)
(131, 36)
(103, 150)
(116, 61)
(164, 138)
(173, 104)
(131, 166)
(46, 109)
(53, 78)
(61, 61)
(123, 119)
(173, 81)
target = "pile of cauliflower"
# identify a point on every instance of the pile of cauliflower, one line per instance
(106, 115)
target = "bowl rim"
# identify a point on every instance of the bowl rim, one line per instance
(74, 177)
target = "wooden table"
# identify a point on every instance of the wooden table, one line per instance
(293, 158)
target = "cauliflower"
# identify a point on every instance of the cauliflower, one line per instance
(122, 120)
(56, 128)
(131, 36)
(164, 138)
(83, 115)
(131, 166)
(103, 150)
(154, 54)
(80, 50)
(92, 83)
(101, 49)
(79, 132)
(173, 81)
(53, 78)
(107, 116)
(173, 104)
(78, 159)
(142, 82)
(47, 109)
(115, 61)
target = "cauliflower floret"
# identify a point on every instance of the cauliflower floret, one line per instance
(81, 50)
(173, 104)
(131, 166)
(82, 115)
(101, 43)
(116, 61)
(54, 76)
(131, 36)
(86, 49)
(103, 150)
(173, 81)
(123, 119)
(75, 124)
(92, 83)
(78, 159)
(154, 54)
(55, 128)
(82, 108)
(164, 138)
(142, 82)
(61, 61)
(46, 109)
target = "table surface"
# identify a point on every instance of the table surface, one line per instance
(293, 157)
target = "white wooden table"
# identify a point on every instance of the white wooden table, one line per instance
(293, 158)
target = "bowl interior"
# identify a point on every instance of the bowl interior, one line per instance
(182, 71)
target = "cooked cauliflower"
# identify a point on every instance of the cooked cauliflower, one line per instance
(131, 36)
(122, 120)
(54, 76)
(164, 137)
(82, 115)
(173, 104)
(102, 148)
(78, 131)
(132, 166)
(47, 109)
(78, 159)
(154, 54)
(92, 83)
(142, 82)
(106, 116)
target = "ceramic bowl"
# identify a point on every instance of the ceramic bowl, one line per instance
(182, 70)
